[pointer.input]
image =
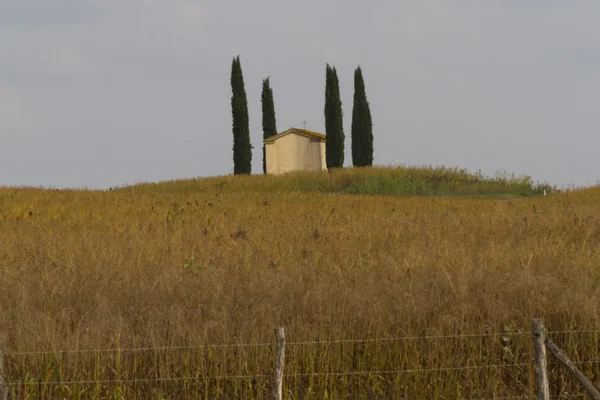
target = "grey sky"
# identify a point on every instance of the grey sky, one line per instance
(98, 93)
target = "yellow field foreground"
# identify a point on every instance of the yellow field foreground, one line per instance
(110, 270)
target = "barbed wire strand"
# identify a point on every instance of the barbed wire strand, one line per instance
(436, 337)
(573, 331)
(524, 397)
(501, 398)
(296, 375)
(136, 349)
(528, 397)
(407, 371)
(166, 379)
(296, 343)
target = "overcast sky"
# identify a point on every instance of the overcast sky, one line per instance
(99, 93)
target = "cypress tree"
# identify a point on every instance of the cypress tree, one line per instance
(242, 148)
(334, 129)
(268, 116)
(329, 156)
(362, 125)
(339, 121)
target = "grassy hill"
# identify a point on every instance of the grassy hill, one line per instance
(390, 181)
(197, 273)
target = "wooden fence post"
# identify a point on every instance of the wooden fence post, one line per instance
(279, 362)
(568, 365)
(3, 386)
(541, 370)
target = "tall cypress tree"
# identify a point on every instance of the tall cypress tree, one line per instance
(362, 125)
(329, 144)
(334, 129)
(268, 116)
(242, 148)
(339, 121)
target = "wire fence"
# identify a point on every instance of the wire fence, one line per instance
(571, 396)
(296, 343)
(299, 375)
(294, 375)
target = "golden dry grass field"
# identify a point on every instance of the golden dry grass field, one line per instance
(182, 268)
